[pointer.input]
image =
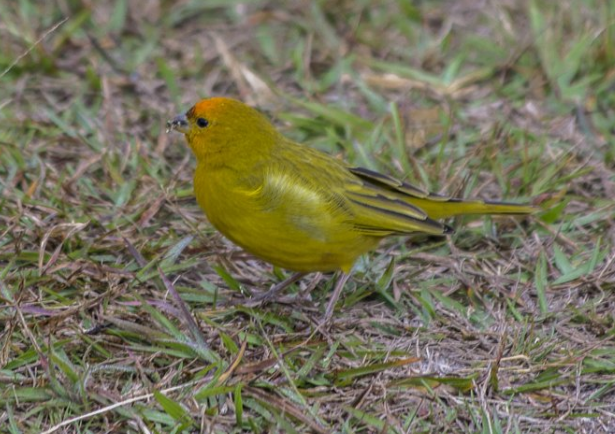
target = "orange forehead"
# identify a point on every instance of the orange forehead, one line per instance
(212, 106)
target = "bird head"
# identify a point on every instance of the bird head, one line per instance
(224, 126)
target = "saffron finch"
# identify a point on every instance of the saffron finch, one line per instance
(299, 208)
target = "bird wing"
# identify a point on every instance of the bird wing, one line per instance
(382, 212)
(367, 207)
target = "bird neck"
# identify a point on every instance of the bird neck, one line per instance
(239, 153)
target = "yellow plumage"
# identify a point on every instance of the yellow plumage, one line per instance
(296, 207)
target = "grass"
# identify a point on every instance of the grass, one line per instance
(507, 326)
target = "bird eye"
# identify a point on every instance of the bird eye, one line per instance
(202, 122)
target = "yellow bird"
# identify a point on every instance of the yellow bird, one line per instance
(299, 208)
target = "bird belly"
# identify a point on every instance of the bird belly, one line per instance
(299, 241)
(297, 253)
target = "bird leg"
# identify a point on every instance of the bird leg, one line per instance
(339, 285)
(262, 298)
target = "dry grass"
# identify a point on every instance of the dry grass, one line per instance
(507, 326)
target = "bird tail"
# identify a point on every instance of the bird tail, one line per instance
(438, 207)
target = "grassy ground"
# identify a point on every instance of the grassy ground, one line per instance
(506, 326)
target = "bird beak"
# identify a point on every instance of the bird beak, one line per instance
(178, 123)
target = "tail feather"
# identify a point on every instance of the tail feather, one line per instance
(437, 208)
(434, 205)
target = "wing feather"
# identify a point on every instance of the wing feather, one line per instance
(368, 202)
